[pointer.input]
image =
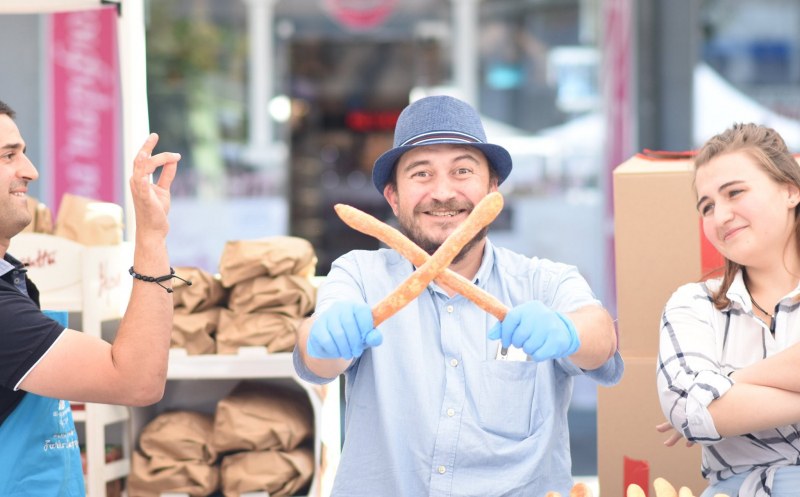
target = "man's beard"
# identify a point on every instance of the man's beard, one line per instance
(413, 233)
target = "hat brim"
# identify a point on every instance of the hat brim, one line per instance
(498, 157)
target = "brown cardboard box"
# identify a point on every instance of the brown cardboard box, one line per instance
(659, 245)
(627, 415)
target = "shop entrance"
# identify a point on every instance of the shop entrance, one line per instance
(346, 96)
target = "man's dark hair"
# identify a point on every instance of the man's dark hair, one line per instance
(5, 109)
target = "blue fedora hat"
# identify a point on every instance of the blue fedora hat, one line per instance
(434, 120)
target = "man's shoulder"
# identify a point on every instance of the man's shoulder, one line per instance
(369, 258)
(520, 264)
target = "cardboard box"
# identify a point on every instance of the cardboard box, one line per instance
(659, 245)
(627, 415)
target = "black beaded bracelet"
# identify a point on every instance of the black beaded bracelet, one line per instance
(158, 279)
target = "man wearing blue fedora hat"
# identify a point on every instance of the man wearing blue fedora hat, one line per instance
(432, 407)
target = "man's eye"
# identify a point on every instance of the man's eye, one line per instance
(734, 193)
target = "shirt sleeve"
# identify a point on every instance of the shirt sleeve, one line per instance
(340, 284)
(569, 291)
(25, 337)
(689, 377)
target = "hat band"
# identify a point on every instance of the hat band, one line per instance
(435, 136)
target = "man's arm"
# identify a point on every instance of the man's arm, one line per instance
(132, 370)
(597, 336)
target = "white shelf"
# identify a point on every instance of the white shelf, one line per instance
(250, 362)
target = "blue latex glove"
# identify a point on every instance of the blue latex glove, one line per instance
(343, 332)
(540, 331)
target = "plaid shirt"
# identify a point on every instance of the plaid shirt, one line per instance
(699, 347)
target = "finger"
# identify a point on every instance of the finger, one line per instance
(339, 338)
(508, 326)
(672, 439)
(149, 145)
(663, 427)
(351, 333)
(168, 172)
(374, 338)
(494, 332)
(550, 349)
(534, 337)
(316, 348)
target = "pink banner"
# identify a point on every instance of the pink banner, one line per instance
(85, 106)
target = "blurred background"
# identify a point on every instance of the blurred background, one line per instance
(279, 108)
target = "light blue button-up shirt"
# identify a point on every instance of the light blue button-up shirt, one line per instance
(430, 411)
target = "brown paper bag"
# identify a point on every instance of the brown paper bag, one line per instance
(174, 456)
(179, 435)
(246, 259)
(294, 295)
(258, 416)
(194, 331)
(275, 331)
(150, 476)
(88, 221)
(41, 218)
(205, 292)
(279, 473)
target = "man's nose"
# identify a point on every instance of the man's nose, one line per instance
(443, 188)
(27, 169)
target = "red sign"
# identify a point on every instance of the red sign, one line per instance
(360, 14)
(85, 106)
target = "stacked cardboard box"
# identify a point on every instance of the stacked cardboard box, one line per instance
(658, 247)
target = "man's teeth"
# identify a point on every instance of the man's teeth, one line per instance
(444, 214)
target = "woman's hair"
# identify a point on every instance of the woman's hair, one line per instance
(766, 147)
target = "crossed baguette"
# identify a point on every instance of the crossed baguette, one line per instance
(429, 267)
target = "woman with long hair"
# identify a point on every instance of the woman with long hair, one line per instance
(728, 346)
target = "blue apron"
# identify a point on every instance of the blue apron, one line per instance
(39, 454)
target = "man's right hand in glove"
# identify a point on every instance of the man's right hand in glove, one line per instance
(343, 331)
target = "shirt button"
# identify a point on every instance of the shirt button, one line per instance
(450, 308)
(16, 280)
(441, 470)
(454, 362)
(451, 412)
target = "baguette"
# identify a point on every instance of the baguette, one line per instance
(484, 213)
(369, 225)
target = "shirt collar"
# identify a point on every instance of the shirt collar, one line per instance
(484, 271)
(738, 293)
(9, 263)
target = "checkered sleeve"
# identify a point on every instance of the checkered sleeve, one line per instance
(689, 376)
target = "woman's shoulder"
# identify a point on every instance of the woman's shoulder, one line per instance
(694, 293)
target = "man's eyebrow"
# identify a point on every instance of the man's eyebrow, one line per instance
(11, 146)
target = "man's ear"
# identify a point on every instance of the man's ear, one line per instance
(390, 194)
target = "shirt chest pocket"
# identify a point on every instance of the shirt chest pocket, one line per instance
(505, 395)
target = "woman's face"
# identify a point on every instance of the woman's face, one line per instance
(746, 215)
